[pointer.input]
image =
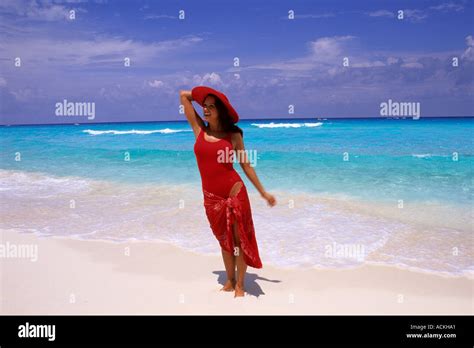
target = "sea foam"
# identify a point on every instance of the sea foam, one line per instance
(287, 125)
(134, 131)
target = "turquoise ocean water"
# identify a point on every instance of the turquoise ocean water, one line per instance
(400, 188)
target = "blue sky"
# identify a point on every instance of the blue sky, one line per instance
(282, 61)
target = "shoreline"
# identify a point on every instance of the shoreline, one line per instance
(388, 236)
(73, 276)
(447, 275)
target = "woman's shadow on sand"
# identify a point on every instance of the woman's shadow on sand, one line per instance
(251, 285)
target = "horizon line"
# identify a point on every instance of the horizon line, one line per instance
(244, 119)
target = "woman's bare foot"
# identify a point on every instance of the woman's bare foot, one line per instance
(229, 285)
(239, 291)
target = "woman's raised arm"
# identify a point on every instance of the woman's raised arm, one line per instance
(194, 119)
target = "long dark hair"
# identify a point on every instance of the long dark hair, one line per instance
(225, 119)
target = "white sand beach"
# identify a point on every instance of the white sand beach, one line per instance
(98, 277)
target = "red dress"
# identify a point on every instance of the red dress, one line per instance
(218, 177)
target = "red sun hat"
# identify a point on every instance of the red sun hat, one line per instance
(201, 92)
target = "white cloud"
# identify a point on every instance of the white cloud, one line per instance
(412, 65)
(160, 17)
(323, 65)
(469, 52)
(415, 15)
(211, 79)
(392, 60)
(3, 82)
(24, 94)
(381, 13)
(323, 52)
(156, 84)
(328, 48)
(418, 15)
(101, 51)
(449, 6)
(38, 10)
(373, 64)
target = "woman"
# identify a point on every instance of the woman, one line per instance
(226, 201)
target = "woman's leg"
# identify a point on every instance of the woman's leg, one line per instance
(241, 265)
(239, 255)
(229, 263)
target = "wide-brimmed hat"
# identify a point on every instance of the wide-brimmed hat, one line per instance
(201, 92)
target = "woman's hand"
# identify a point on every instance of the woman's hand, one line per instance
(186, 94)
(269, 198)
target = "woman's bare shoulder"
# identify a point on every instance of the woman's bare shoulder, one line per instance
(236, 136)
(236, 139)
